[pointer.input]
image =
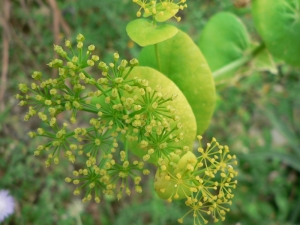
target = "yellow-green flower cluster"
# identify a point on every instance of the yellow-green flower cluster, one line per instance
(160, 10)
(122, 109)
(126, 116)
(205, 182)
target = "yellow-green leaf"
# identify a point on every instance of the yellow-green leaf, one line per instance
(180, 59)
(144, 32)
(181, 104)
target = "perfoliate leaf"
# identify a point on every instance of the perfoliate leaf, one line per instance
(181, 60)
(181, 104)
(144, 32)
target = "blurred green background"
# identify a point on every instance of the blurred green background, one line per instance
(257, 116)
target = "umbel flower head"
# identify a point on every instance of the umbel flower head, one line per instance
(161, 10)
(126, 115)
(7, 205)
(206, 181)
(121, 108)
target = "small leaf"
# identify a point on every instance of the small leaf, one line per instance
(144, 32)
(166, 189)
(263, 61)
(187, 158)
(172, 186)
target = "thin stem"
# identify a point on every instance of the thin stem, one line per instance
(128, 73)
(96, 84)
(78, 219)
(126, 147)
(154, 21)
(157, 57)
(239, 62)
(156, 47)
(89, 110)
(231, 66)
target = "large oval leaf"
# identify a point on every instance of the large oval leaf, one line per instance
(183, 109)
(278, 23)
(181, 61)
(144, 32)
(223, 40)
(181, 104)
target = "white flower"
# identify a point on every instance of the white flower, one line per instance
(6, 204)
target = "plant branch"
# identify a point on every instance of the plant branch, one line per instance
(5, 51)
(58, 21)
(239, 62)
(157, 57)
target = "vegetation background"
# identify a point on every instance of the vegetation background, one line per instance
(257, 115)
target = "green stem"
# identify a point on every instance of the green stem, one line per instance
(157, 58)
(89, 110)
(128, 73)
(78, 219)
(126, 147)
(96, 84)
(154, 21)
(72, 133)
(239, 62)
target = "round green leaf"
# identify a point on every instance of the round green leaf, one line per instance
(166, 189)
(188, 158)
(144, 32)
(181, 61)
(184, 110)
(278, 23)
(223, 40)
